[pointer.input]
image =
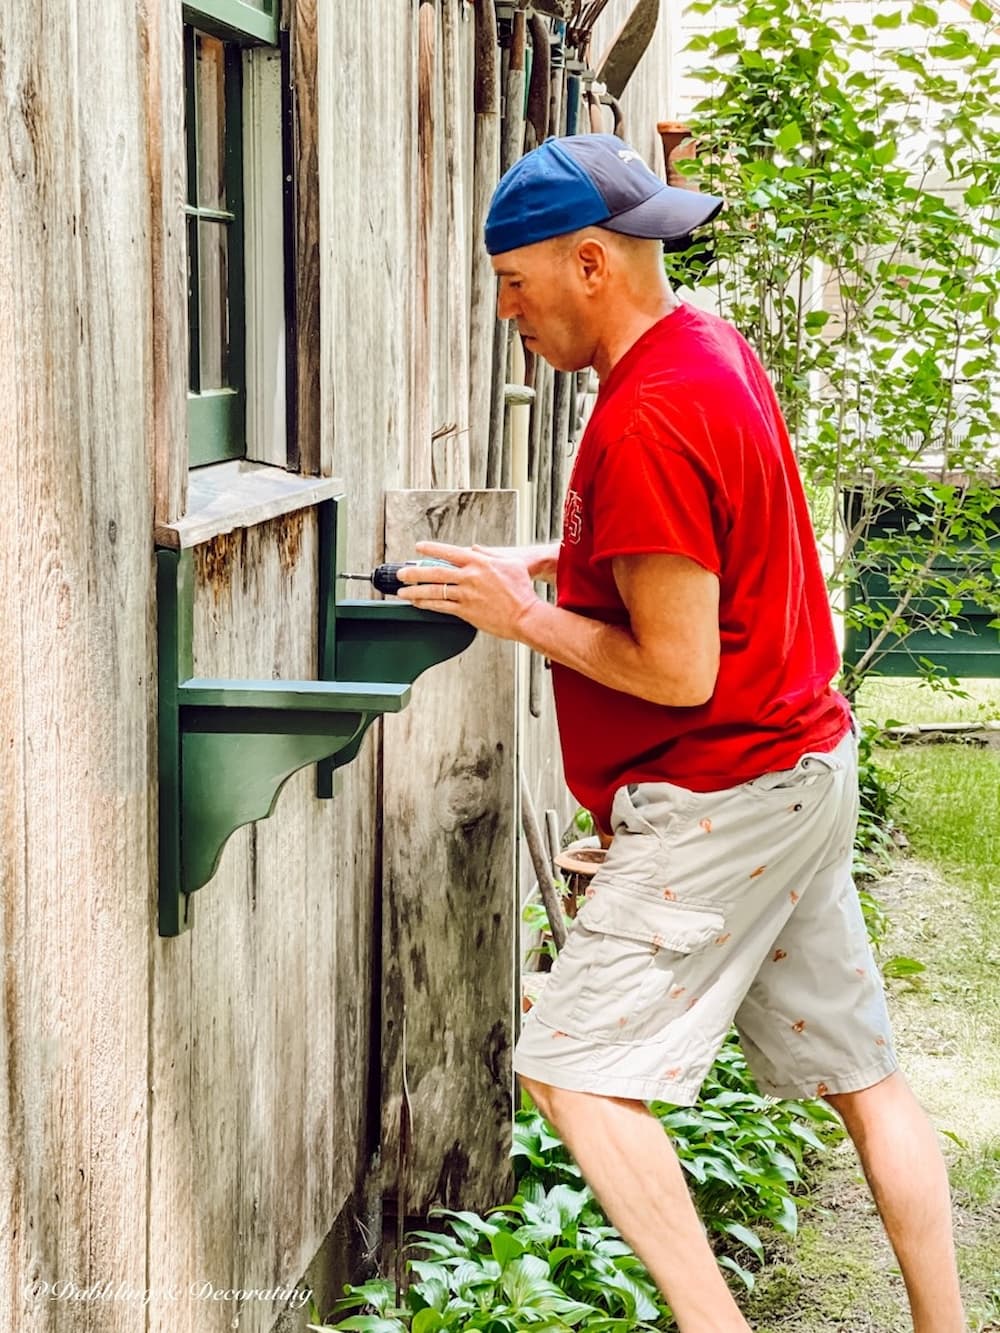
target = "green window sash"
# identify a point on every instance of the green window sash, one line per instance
(216, 410)
(236, 20)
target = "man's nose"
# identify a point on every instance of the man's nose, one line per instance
(506, 305)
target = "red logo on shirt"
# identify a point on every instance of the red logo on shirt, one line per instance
(573, 518)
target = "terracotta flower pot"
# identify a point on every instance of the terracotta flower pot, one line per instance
(678, 146)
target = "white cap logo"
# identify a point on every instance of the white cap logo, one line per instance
(627, 155)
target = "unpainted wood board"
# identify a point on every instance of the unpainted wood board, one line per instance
(240, 494)
(450, 274)
(75, 661)
(367, 62)
(449, 898)
(312, 447)
(167, 177)
(261, 1011)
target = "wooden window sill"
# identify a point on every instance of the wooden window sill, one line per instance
(238, 494)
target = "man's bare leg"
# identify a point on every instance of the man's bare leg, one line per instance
(906, 1173)
(629, 1163)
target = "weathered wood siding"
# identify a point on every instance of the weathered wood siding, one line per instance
(260, 1023)
(449, 896)
(197, 1110)
(76, 663)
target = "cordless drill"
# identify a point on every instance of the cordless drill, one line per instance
(384, 579)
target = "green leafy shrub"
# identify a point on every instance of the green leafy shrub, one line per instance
(746, 1155)
(549, 1259)
(858, 252)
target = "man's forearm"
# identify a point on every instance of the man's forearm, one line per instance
(611, 655)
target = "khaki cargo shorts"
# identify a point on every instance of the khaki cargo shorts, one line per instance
(714, 908)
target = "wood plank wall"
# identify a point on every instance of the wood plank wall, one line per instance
(260, 1013)
(76, 662)
(449, 900)
(196, 1109)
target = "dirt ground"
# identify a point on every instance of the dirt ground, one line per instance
(841, 1274)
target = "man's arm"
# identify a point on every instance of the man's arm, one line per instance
(668, 653)
(540, 560)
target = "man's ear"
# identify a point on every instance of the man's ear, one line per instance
(592, 257)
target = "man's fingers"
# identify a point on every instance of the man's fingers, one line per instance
(442, 602)
(413, 574)
(455, 555)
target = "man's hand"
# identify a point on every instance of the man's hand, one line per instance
(668, 653)
(539, 560)
(489, 590)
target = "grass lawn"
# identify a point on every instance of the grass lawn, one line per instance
(943, 899)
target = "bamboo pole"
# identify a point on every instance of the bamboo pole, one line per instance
(452, 472)
(543, 871)
(511, 148)
(485, 176)
(558, 79)
(543, 452)
(541, 457)
(560, 451)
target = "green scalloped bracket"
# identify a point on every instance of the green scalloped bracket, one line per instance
(372, 640)
(227, 747)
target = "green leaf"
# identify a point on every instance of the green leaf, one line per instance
(643, 1305)
(745, 1276)
(506, 1247)
(789, 137)
(982, 12)
(787, 1218)
(902, 967)
(893, 20)
(924, 15)
(427, 1321)
(742, 1234)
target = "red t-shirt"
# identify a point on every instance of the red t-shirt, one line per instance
(686, 453)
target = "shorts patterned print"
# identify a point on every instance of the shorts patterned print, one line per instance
(684, 934)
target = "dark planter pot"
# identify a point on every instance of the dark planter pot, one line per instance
(972, 652)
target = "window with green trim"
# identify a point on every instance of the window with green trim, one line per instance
(217, 35)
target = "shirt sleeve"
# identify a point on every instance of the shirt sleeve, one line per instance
(652, 498)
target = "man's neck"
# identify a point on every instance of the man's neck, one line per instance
(627, 332)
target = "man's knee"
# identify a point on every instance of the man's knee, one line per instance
(555, 1102)
(850, 1105)
(540, 1094)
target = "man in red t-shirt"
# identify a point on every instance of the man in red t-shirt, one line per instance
(692, 651)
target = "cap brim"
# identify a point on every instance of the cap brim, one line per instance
(669, 213)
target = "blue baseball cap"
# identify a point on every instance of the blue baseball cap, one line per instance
(589, 180)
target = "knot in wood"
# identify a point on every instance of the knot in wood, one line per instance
(463, 794)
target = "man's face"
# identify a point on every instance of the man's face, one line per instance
(540, 287)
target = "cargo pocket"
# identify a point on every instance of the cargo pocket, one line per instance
(615, 979)
(642, 838)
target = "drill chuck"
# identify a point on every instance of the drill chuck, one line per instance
(384, 577)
